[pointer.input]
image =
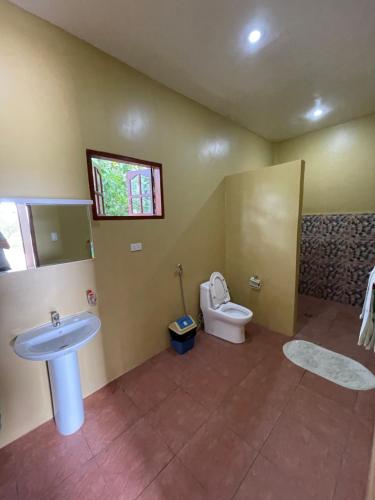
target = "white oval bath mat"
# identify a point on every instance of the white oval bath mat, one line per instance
(328, 364)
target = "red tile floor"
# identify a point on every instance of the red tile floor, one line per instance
(222, 422)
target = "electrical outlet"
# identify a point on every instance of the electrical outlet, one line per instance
(135, 247)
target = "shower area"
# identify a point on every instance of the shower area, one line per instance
(337, 254)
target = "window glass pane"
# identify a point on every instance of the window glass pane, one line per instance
(12, 255)
(146, 185)
(135, 186)
(101, 207)
(119, 181)
(114, 187)
(147, 205)
(95, 178)
(136, 204)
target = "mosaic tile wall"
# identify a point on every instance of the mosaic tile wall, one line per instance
(337, 253)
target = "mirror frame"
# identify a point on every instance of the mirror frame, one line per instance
(45, 201)
(52, 202)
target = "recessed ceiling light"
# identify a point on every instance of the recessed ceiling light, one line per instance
(317, 112)
(255, 36)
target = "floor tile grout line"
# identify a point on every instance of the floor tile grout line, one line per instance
(191, 436)
(148, 412)
(234, 432)
(245, 475)
(144, 412)
(292, 478)
(51, 488)
(330, 398)
(274, 424)
(282, 413)
(87, 442)
(343, 454)
(151, 410)
(211, 412)
(173, 455)
(336, 478)
(135, 421)
(186, 465)
(157, 475)
(124, 431)
(211, 365)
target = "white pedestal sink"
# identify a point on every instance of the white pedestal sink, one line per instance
(58, 345)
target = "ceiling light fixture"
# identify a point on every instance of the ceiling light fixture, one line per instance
(318, 111)
(255, 36)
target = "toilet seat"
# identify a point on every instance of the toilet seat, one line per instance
(218, 290)
(235, 311)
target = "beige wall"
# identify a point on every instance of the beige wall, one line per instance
(25, 300)
(340, 166)
(262, 228)
(45, 221)
(75, 232)
(72, 225)
(59, 96)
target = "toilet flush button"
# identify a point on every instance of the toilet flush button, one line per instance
(135, 247)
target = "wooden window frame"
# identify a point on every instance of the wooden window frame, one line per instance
(156, 172)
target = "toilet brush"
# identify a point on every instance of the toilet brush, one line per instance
(182, 330)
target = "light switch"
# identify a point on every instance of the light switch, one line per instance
(135, 247)
(54, 236)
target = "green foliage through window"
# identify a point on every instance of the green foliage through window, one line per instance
(114, 184)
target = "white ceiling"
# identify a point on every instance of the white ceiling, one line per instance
(310, 49)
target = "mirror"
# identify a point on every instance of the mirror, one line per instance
(36, 234)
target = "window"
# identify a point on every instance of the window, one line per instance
(123, 187)
(16, 248)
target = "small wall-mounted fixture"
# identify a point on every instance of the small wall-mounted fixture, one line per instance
(91, 297)
(255, 282)
(136, 247)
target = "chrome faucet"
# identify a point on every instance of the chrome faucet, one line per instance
(55, 318)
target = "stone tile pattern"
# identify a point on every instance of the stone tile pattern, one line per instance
(221, 422)
(337, 253)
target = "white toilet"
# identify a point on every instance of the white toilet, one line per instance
(222, 318)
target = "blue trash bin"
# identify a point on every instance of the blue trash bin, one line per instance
(182, 333)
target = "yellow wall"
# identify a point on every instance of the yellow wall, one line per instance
(75, 232)
(262, 228)
(45, 221)
(72, 225)
(340, 166)
(26, 298)
(59, 96)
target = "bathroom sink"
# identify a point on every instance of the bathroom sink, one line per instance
(47, 342)
(58, 345)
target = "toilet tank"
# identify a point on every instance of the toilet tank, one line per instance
(205, 298)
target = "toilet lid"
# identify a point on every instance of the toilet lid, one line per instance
(218, 290)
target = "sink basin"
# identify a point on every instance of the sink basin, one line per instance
(58, 345)
(47, 342)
